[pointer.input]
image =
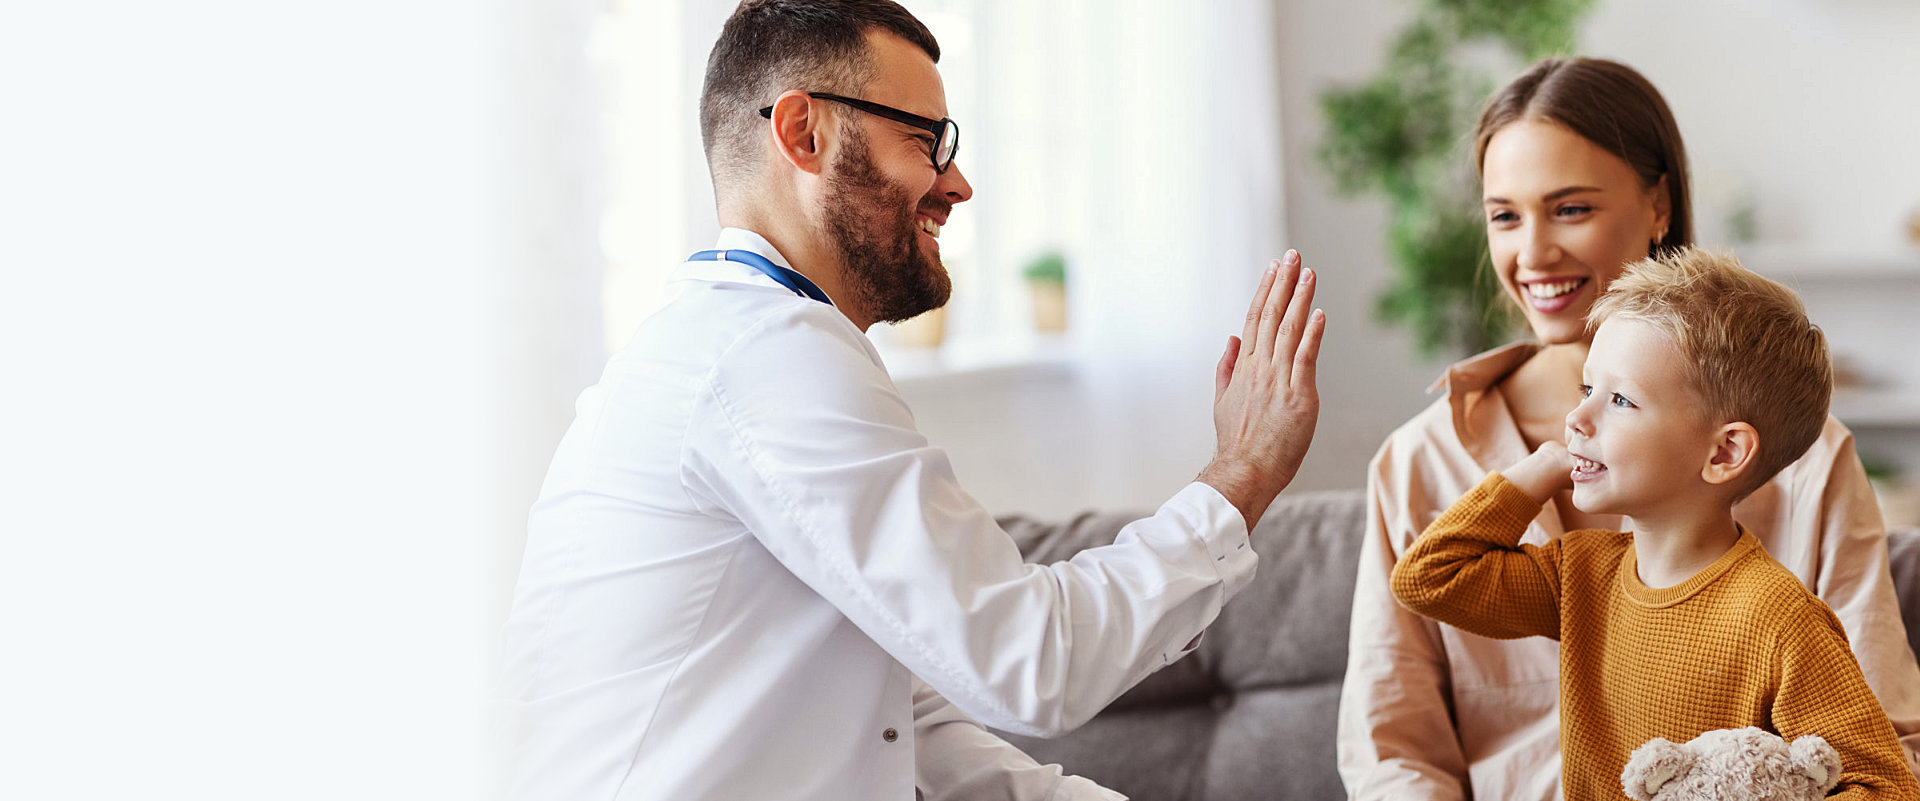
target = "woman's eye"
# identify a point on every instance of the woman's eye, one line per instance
(1621, 401)
(1502, 217)
(1573, 210)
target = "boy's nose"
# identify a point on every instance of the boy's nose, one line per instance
(1577, 422)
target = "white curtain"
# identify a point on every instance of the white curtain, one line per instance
(1151, 150)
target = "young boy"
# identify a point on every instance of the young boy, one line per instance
(1702, 382)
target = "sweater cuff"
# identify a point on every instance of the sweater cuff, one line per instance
(1504, 505)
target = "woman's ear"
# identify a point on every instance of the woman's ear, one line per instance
(1735, 449)
(798, 133)
(1663, 208)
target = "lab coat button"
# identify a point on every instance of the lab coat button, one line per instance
(889, 735)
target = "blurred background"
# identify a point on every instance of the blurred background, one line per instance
(296, 300)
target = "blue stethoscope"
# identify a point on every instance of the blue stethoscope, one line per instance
(781, 275)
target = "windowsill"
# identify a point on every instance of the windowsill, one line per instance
(1877, 409)
(1893, 262)
(1041, 356)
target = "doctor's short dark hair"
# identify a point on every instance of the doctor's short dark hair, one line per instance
(771, 46)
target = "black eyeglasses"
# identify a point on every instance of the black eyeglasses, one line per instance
(946, 132)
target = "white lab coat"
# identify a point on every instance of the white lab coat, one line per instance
(744, 554)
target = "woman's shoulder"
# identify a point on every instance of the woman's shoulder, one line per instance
(1427, 432)
(1826, 471)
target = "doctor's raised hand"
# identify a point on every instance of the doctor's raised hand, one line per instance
(1265, 402)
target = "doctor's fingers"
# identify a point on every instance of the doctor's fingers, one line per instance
(1306, 359)
(1293, 326)
(1285, 286)
(1223, 372)
(1250, 331)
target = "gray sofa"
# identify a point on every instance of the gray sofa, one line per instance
(1250, 714)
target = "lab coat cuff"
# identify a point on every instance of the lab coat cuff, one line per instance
(1076, 788)
(1221, 528)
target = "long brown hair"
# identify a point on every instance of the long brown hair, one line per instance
(1609, 104)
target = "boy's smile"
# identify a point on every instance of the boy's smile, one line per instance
(1639, 437)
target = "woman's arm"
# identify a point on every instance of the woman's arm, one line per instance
(1396, 732)
(1853, 578)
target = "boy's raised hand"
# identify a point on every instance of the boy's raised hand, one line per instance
(1265, 402)
(1549, 469)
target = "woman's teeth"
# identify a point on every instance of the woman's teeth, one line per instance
(1587, 465)
(928, 225)
(1554, 289)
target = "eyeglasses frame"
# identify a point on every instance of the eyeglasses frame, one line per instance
(937, 127)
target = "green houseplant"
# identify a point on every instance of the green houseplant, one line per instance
(1046, 277)
(1406, 134)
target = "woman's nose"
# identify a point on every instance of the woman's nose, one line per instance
(1538, 250)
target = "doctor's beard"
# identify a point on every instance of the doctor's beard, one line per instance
(873, 227)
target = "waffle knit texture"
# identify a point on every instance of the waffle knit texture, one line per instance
(1741, 643)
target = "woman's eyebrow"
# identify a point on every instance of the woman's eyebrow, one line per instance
(1550, 196)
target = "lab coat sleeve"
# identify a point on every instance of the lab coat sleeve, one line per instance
(957, 759)
(816, 455)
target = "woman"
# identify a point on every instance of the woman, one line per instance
(1582, 171)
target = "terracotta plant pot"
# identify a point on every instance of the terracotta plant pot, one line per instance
(926, 331)
(1049, 305)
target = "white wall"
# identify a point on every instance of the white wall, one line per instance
(251, 426)
(1802, 105)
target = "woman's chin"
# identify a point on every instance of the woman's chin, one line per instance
(1559, 331)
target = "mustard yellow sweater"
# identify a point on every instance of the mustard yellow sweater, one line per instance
(1741, 643)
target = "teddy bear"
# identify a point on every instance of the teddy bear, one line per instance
(1732, 765)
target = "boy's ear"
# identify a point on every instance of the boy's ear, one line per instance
(799, 135)
(1735, 449)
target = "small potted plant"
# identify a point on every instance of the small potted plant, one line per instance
(1046, 276)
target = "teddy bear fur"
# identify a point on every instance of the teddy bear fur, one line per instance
(1749, 764)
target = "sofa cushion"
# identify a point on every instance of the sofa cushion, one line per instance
(1903, 560)
(1250, 713)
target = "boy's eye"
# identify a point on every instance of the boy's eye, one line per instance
(1621, 401)
(1586, 391)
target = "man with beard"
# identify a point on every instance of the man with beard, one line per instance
(749, 577)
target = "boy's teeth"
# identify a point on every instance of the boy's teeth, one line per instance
(1554, 289)
(1588, 465)
(928, 225)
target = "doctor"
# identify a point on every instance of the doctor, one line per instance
(749, 577)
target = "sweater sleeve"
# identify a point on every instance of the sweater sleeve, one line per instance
(1470, 570)
(1821, 691)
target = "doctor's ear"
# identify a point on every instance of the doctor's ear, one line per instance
(1735, 450)
(798, 133)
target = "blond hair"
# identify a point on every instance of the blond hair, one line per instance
(1747, 349)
